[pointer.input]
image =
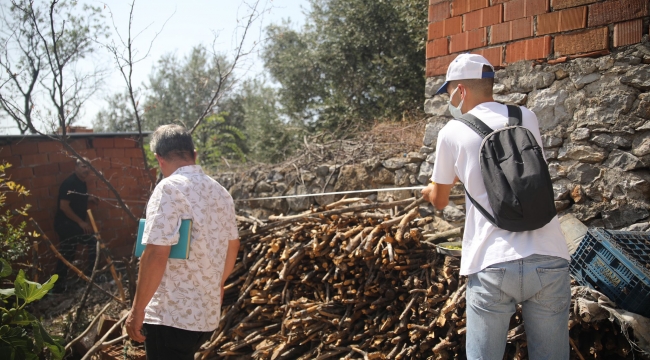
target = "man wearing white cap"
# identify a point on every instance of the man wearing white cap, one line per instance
(504, 267)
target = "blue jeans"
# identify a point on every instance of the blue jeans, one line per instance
(543, 287)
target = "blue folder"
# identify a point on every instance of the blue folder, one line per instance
(180, 250)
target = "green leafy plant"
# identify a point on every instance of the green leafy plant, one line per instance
(22, 336)
(13, 235)
(215, 139)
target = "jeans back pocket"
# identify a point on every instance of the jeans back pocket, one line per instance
(485, 286)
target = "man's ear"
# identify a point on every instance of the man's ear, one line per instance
(160, 159)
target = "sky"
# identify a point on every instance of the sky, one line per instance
(176, 26)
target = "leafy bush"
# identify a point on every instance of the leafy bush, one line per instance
(22, 335)
(13, 239)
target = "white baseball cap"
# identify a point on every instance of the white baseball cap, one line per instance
(466, 66)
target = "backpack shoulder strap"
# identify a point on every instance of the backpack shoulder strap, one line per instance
(480, 208)
(475, 124)
(514, 115)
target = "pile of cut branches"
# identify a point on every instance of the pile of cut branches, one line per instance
(354, 281)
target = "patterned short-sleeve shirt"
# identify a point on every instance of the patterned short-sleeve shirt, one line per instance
(189, 295)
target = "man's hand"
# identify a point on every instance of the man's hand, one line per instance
(427, 193)
(438, 194)
(86, 227)
(134, 325)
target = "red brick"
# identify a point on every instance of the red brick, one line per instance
(101, 163)
(111, 153)
(19, 173)
(482, 18)
(445, 28)
(59, 157)
(478, 4)
(79, 144)
(47, 169)
(494, 55)
(127, 181)
(67, 167)
(564, 20)
(89, 153)
(459, 7)
(49, 146)
(608, 12)
(38, 193)
(494, 2)
(133, 153)
(13, 160)
(627, 33)
(563, 4)
(468, 40)
(36, 159)
(102, 142)
(113, 174)
(433, 2)
(24, 148)
(47, 203)
(582, 42)
(517, 9)
(435, 66)
(511, 30)
(453, 26)
(125, 161)
(531, 49)
(44, 181)
(536, 7)
(436, 30)
(138, 163)
(125, 143)
(5, 151)
(437, 47)
(438, 12)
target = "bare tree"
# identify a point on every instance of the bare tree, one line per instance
(36, 58)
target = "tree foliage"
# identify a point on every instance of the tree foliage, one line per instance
(179, 89)
(270, 137)
(43, 41)
(356, 61)
(117, 117)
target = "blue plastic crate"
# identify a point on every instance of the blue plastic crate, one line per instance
(617, 263)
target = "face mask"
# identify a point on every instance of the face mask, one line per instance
(455, 111)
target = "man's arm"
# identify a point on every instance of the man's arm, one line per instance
(152, 267)
(64, 205)
(438, 194)
(231, 257)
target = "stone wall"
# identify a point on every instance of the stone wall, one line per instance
(594, 115)
(360, 173)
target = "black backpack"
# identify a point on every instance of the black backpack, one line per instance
(515, 175)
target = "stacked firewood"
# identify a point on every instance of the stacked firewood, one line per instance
(349, 282)
(352, 282)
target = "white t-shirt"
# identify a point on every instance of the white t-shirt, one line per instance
(457, 154)
(189, 295)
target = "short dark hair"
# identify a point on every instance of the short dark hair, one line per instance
(483, 86)
(172, 141)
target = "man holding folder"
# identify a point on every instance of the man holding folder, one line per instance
(177, 303)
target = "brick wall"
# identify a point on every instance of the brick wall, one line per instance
(507, 31)
(41, 165)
